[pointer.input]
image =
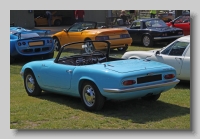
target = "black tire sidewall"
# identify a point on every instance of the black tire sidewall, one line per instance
(37, 90)
(59, 46)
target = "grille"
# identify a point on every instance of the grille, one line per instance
(147, 79)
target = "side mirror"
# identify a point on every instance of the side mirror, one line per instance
(157, 52)
(65, 30)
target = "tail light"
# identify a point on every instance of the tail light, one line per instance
(129, 82)
(49, 41)
(19, 44)
(169, 76)
(164, 34)
(124, 36)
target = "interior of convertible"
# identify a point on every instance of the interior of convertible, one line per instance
(84, 53)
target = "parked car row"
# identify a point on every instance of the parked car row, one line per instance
(84, 67)
(41, 20)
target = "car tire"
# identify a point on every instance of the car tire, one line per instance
(48, 56)
(147, 41)
(91, 48)
(122, 49)
(57, 22)
(30, 83)
(91, 96)
(151, 98)
(56, 44)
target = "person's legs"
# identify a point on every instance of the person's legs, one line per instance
(49, 21)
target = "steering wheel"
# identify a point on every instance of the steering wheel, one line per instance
(103, 55)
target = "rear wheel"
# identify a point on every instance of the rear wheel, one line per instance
(56, 44)
(91, 97)
(48, 56)
(147, 41)
(90, 46)
(57, 22)
(30, 84)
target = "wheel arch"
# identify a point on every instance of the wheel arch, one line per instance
(134, 57)
(85, 80)
(54, 22)
(87, 38)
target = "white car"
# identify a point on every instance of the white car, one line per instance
(176, 54)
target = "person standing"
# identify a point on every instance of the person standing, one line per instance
(48, 13)
(79, 15)
(124, 17)
(152, 13)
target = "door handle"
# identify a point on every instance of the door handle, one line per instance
(178, 59)
(69, 71)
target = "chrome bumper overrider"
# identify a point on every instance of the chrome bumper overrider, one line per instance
(170, 37)
(111, 90)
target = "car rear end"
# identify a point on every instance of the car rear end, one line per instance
(32, 44)
(135, 78)
(117, 37)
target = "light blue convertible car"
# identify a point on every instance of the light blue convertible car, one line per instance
(80, 70)
(30, 43)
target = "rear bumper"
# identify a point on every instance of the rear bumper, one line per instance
(113, 90)
(115, 43)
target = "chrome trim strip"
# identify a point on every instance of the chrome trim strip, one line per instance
(170, 37)
(111, 90)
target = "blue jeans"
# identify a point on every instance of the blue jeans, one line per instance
(49, 21)
(152, 15)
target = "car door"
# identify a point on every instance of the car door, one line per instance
(135, 31)
(185, 70)
(56, 76)
(73, 34)
(172, 55)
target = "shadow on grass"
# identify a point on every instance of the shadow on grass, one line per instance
(138, 111)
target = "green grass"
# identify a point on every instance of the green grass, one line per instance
(53, 111)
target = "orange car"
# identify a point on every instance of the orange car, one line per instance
(42, 20)
(119, 38)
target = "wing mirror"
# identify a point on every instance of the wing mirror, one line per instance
(157, 53)
(65, 30)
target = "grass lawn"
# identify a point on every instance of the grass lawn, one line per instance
(53, 111)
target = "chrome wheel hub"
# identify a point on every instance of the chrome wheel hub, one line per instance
(146, 41)
(88, 95)
(30, 83)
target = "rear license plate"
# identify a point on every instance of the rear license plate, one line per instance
(36, 43)
(149, 79)
(114, 36)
